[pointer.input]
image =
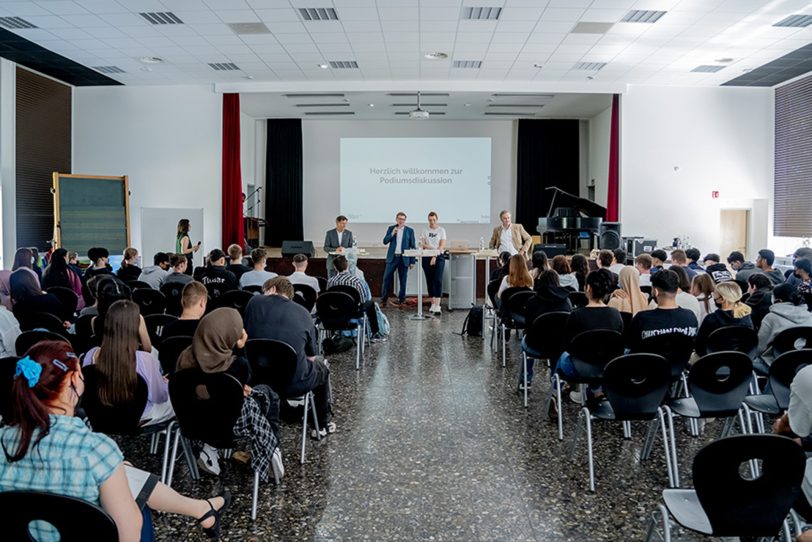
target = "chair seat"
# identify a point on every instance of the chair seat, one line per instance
(686, 407)
(588, 372)
(765, 403)
(603, 411)
(684, 506)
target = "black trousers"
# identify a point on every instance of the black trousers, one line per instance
(321, 393)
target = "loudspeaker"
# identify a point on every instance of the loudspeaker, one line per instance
(292, 248)
(552, 250)
(609, 236)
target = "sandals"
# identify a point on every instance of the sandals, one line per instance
(213, 532)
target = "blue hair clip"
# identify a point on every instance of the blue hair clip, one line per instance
(30, 369)
(60, 365)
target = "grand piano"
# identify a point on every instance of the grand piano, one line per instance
(572, 221)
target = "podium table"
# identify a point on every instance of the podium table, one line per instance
(420, 253)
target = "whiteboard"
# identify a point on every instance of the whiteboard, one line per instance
(159, 228)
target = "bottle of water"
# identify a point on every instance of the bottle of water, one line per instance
(481, 244)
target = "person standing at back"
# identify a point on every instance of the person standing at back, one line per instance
(433, 238)
(400, 238)
(337, 240)
(183, 243)
(510, 237)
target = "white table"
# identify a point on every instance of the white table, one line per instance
(420, 253)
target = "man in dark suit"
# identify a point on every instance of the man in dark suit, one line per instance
(400, 238)
(336, 240)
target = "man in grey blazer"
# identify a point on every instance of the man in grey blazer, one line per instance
(336, 240)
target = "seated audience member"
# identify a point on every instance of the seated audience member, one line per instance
(731, 312)
(539, 263)
(693, 255)
(702, 289)
(604, 261)
(803, 270)
(73, 262)
(119, 363)
(193, 301)
(215, 277)
(718, 271)
(629, 298)
(98, 257)
(684, 298)
(580, 268)
(257, 276)
(274, 315)
(109, 290)
(565, 276)
(24, 259)
(299, 276)
(658, 258)
(742, 268)
(518, 276)
(764, 262)
(759, 298)
(618, 261)
(38, 262)
(92, 287)
(45, 443)
(9, 331)
(789, 276)
(217, 336)
(345, 277)
(502, 266)
(156, 274)
(788, 310)
(129, 270)
(643, 265)
(679, 258)
(667, 318)
(235, 263)
(58, 273)
(27, 296)
(178, 275)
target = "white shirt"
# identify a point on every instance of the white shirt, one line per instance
(255, 278)
(339, 234)
(645, 280)
(434, 236)
(9, 331)
(506, 242)
(615, 268)
(297, 277)
(399, 242)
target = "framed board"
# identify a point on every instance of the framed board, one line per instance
(91, 211)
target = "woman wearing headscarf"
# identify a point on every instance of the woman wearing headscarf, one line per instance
(212, 351)
(632, 300)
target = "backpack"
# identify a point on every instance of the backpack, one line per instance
(383, 321)
(472, 325)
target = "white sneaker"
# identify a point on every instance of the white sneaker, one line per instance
(437, 309)
(208, 460)
(276, 463)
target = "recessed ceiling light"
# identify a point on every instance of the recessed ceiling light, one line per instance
(249, 76)
(323, 66)
(151, 59)
(724, 60)
(467, 105)
(436, 55)
(539, 66)
(371, 105)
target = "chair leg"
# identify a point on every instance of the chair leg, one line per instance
(153, 444)
(190, 458)
(304, 427)
(315, 417)
(174, 458)
(588, 418)
(648, 443)
(748, 415)
(167, 443)
(652, 526)
(669, 467)
(504, 343)
(358, 348)
(560, 408)
(524, 368)
(627, 429)
(674, 459)
(255, 497)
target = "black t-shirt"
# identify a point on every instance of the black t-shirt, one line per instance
(650, 323)
(131, 272)
(278, 318)
(180, 328)
(589, 318)
(238, 269)
(715, 320)
(218, 280)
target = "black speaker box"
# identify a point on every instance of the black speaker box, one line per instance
(292, 248)
(610, 236)
(552, 250)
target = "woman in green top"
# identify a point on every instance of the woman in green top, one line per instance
(183, 244)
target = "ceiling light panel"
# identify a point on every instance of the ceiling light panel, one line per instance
(589, 66)
(707, 68)
(642, 16)
(467, 64)
(223, 66)
(343, 64)
(318, 14)
(592, 28)
(246, 29)
(161, 17)
(108, 69)
(795, 21)
(481, 14)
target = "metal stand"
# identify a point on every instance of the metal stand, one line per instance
(419, 253)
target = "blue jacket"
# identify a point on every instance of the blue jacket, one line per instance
(392, 240)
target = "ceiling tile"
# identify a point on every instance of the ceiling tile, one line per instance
(278, 15)
(561, 14)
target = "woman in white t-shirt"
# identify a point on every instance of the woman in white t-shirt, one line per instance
(434, 237)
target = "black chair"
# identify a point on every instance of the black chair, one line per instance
(794, 338)
(635, 386)
(578, 299)
(149, 301)
(27, 339)
(232, 299)
(739, 338)
(647, 291)
(717, 383)
(216, 290)
(782, 372)
(322, 284)
(253, 288)
(123, 419)
(490, 291)
(338, 311)
(75, 519)
(67, 298)
(676, 348)
(138, 285)
(170, 350)
(626, 317)
(274, 363)
(305, 296)
(727, 502)
(41, 320)
(543, 339)
(84, 339)
(156, 324)
(173, 293)
(8, 366)
(349, 290)
(508, 308)
(207, 406)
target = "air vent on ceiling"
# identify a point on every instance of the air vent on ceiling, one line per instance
(422, 104)
(642, 16)
(521, 95)
(591, 28)
(515, 105)
(314, 95)
(432, 113)
(108, 69)
(223, 66)
(795, 21)
(324, 105)
(161, 17)
(589, 66)
(329, 113)
(318, 14)
(423, 94)
(707, 68)
(249, 28)
(508, 114)
(15, 23)
(343, 64)
(474, 64)
(481, 14)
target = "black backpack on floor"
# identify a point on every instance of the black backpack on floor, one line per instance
(472, 325)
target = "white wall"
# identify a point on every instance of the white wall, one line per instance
(167, 139)
(320, 142)
(247, 150)
(600, 129)
(719, 138)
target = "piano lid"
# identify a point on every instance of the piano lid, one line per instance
(583, 206)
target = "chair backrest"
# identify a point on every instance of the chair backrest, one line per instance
(8, 366)
(305, 296)
(545, 334)
(41, 320)
(216, 290)
(626, 317)
(514, 303)
(335, 310)
(738, 338)
(123, 419)
(253, 288)
(349, 290)
(272, 363)
(675, 347)
(156, 324)
(207, 405)
(149, 301)
(322, 283)
(67, 298)
(719, 381)
(170, 350)
(740, 507)
(646, 290)
(173, 293)
(794, 338)
(492, 288)
(596, 346)
(75, 519)
(232, 299)
(137, 285)
(27, 339)
(578, 299)
(636, 385)
(783, 371)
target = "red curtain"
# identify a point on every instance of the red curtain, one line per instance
(612, 206)
(232, 176)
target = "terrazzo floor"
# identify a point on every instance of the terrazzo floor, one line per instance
(433, 444)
